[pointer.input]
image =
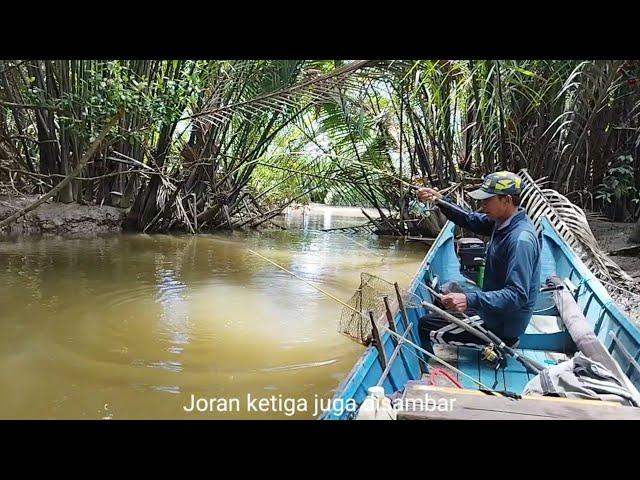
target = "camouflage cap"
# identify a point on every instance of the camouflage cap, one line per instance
(498, 183)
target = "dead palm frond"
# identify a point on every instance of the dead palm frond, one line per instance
(571, 223)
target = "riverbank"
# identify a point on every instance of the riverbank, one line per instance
(60, 218)
(85, 220)
(613, 236)
(336, 210)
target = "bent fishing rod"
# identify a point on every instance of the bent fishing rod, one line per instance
(394, 334)
(478, 331)
(396, 178)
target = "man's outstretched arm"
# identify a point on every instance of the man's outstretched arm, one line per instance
(476, 222)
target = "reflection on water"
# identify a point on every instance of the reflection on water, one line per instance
(131, 326)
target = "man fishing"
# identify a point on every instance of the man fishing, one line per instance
(512, 271)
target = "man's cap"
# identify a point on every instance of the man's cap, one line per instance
(498, 183)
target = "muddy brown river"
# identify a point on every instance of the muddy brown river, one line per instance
(140, 326)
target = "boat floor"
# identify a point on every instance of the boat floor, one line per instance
(513, 378)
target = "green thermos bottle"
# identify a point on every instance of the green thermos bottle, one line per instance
(480, 275)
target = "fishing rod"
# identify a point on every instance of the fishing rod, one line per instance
(393, 177)
(478, 331)
(430, 355)
(439, 360)
(489, 337)
(398, 179)
(484, 334)
(303, 280)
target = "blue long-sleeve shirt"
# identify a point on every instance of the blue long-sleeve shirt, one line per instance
(512, 271)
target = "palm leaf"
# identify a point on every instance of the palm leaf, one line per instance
(317, 89)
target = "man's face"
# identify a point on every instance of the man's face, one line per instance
(495, 207)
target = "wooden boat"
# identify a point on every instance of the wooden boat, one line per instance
(403, 370)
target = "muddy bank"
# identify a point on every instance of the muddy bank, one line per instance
(613, 236)
(60, 218)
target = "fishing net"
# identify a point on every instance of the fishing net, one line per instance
(369, 297)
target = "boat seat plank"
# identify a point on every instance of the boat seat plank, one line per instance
(541, 324)
(475, 405)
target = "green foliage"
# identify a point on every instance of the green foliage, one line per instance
(445, 119)
(103, 88)
(619, 183)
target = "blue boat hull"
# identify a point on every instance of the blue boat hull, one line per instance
(613, 329)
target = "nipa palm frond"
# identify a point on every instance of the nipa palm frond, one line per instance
(317, 89)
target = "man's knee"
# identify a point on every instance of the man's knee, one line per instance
(511, 342)
(430, 322)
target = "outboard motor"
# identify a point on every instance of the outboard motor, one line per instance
(472, 254)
